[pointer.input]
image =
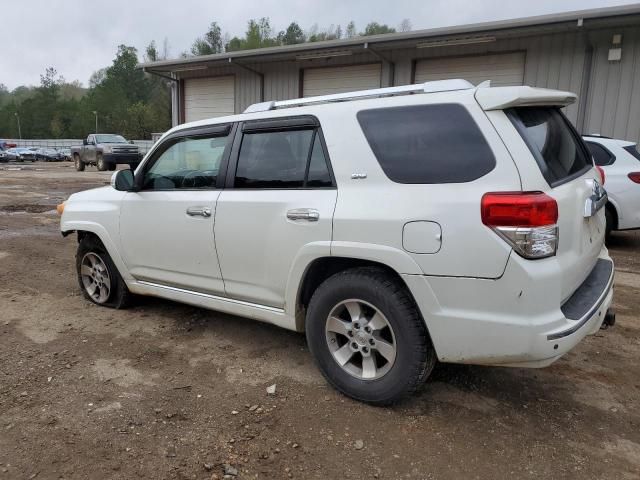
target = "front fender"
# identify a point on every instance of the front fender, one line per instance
(101, 232)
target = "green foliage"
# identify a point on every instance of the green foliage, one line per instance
(292, 35)
(210, 43)
(128, 102)
(375, 28)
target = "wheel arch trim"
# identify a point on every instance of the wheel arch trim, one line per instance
(102, 234)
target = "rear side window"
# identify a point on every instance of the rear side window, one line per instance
(437, 143)
(601, 156)
(633, 150)
(556, 146)
(282, 159)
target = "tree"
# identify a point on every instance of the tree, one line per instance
(97, 77)
(258, 35)
(405, 25)
(210, 43)
(350, 31)
(375, 28)
(293, 35)
(151, 52)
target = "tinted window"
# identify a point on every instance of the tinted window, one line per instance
(279, 159)
(633, 150)
(601, 155)
(191, 162)
(427, 143)
(559, 151)
(318, 170)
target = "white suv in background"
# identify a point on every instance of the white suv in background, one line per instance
(620, 161)
(396, 227)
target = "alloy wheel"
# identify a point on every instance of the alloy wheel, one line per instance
(95, 277)
(360, 339)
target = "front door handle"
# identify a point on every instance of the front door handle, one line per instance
(199, 212)
(308, 214)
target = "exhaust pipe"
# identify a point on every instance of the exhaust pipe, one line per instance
(609, 319)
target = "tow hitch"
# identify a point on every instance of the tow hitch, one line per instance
(609, 319)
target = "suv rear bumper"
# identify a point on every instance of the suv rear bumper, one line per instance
(516, 320)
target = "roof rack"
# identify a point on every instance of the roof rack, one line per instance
(427, 87)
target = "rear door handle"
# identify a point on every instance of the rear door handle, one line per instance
(199, 212)
(308, 214)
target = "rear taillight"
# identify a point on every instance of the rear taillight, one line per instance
(602, 175)
(634, 177)
(525, 220)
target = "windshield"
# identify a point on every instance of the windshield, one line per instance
(110, 139)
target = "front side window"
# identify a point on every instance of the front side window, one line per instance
(189, 163)
(427, 144)
(557, 148)
(282, 159)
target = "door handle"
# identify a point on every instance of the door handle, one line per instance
(308, 214)
(199, 212)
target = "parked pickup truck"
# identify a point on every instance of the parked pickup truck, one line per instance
(105, 151)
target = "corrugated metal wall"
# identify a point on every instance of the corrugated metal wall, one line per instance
(610, 105)
(614, 90)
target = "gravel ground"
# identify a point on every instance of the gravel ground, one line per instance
(164, 390)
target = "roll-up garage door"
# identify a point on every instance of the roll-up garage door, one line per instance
(502, 69)
(329, 80)
(208, 97)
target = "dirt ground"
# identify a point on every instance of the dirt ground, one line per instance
(164, 390)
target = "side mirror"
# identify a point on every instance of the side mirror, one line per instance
(131, 142)
(84, 142)
(123, 181)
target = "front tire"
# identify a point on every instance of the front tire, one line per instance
(100, 163)
(368, 337)
(98, 277)
(79, 164)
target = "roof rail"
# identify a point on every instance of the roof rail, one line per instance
(427, 87)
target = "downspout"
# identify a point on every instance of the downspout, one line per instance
(583, 99)
(392, 65)
(256, 72)
(175, 95)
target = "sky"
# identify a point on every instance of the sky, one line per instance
(78, 37)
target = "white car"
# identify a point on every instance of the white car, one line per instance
(620, 161)
(396, 227)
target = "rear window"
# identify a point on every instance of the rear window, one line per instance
(558, 149)
(438, 143)
(633, 150)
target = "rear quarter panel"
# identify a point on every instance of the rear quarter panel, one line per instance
(374, 210)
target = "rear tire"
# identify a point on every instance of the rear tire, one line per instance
(98, 277)
(79, 164)
(611, 222)
(112, 167)
(368, 337)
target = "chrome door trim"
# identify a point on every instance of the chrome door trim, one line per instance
(212, 297)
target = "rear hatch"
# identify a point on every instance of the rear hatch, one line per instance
(569, 177)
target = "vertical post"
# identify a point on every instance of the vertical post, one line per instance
(19, 130)
(95, 112)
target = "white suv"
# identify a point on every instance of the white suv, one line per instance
(620, 162)
(396, 227)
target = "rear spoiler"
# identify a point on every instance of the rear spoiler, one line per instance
(499, 98)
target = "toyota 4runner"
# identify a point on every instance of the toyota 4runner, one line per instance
(396, 227)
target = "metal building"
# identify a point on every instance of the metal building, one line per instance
(593, 53)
